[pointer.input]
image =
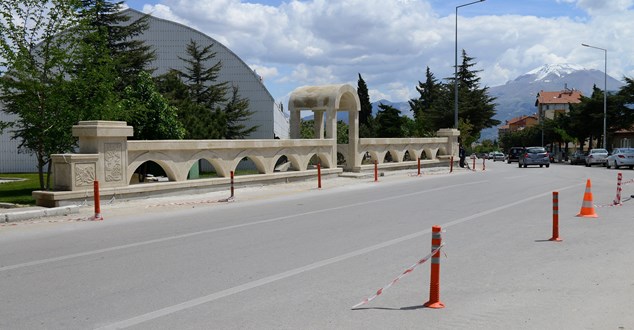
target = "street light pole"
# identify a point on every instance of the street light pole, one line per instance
(605, 91)
(455, 83)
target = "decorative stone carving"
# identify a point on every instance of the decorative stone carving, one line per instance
(84, 174)
(113, 162)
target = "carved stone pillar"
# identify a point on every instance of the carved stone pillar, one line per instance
(103, 156)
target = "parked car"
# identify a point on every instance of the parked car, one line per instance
(534, 156)
(513, 154)
(621, 157)
(596, 156)
(578, 157)
(496, 155)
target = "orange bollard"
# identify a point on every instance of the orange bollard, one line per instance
(555, 217)
(474, 164)
(319, 175)
(376, 170)
(587, 207)
(451, 165)
(418, 166)
(97, 201)
(617, 200)
(232, 189)
(434, 282)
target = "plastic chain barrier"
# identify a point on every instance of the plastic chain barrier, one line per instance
(407, 271)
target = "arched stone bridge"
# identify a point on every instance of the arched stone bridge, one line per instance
(107, 156)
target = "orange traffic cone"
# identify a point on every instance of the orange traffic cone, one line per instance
(587, 208)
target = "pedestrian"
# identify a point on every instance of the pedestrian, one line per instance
(462, 153)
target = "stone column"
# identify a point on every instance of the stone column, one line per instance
(452, 134)
(331, 131)
(108, 140)
(354, 160)
(319, 123)
(295, 123)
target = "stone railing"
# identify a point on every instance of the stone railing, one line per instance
(105, 155)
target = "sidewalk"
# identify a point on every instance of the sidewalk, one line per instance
(113, 206)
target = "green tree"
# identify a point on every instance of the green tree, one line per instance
(105, 23)
(475, 105)
(428, 109)
(366, 122)
(201, 100)
(201, 79)
(389, 122)
(152, 117)
(236, 113)
(34, 63)
(108, 59)
(198, 120)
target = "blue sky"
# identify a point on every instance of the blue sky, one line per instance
(391, 42)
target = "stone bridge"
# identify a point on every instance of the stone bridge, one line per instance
(106, 155)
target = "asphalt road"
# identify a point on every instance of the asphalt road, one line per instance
(301, 259)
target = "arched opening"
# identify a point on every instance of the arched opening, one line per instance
(284, 164)
(390, 157)
(369, 158)
(247, 166)
(341, 160)
(147, 172)
(202, 169)
(423, 155)
(407, 157)
(318, 159)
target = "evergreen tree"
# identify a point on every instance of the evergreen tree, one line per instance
(108, 59)
(129, 54)
(475, 105)
(201, 79)
(237, 112)
(429, 111)
(199, 121)
(389, 122)
(365, 115)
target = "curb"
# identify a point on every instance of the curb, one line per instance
(33, 214)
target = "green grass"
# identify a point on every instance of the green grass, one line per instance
(19, 192)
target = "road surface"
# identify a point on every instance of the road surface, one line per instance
(300, 258)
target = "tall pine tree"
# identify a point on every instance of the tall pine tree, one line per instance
(236, 113)
(366, 122)
(475, 105)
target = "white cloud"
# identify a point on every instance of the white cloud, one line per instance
(391, 42)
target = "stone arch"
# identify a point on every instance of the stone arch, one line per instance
(257, 160)
(170, 168)
(442, 151)
(290, 156)
(214, 159)
(328, 99)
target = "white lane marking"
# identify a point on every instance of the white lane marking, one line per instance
(273, 278)
(170, 238)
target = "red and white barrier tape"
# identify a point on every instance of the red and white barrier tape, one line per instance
(407, 271)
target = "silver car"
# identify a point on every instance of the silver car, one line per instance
(621, 157)
(534, 156)
(596, 156)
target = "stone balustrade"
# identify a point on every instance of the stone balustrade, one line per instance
(106, 155)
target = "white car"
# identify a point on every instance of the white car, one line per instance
(621, 157)
(496, 155)
(596, 156)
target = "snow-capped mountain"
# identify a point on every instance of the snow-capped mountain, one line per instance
(517, 97)
(558, 70)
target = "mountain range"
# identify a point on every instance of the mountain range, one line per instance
(517, 97)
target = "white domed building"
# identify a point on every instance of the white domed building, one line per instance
(169, 40)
